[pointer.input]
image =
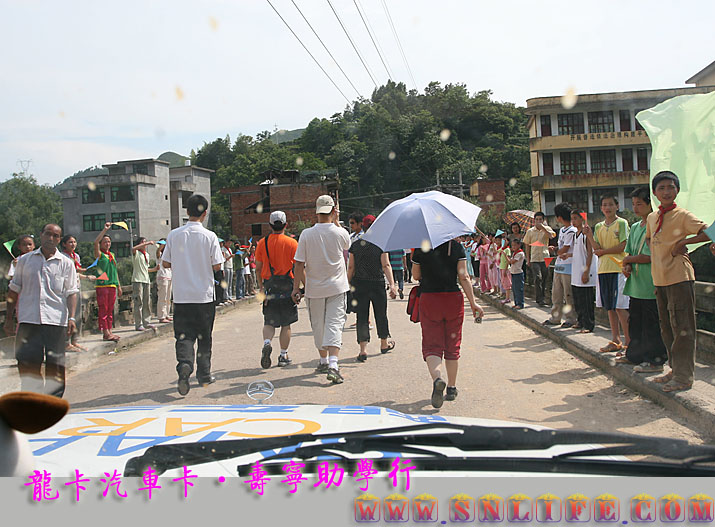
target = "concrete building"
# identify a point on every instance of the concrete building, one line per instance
(596, 147)
(490, 193)
(138, 192)
(291, 191)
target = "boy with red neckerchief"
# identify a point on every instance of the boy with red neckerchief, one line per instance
(516, 269)
(673, 276)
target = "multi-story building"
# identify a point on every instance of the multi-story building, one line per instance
(144, 193)
(291, 191)
(594, 148)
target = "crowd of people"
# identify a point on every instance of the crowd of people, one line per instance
(640, 274)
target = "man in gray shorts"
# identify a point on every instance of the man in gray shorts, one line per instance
(320, 265)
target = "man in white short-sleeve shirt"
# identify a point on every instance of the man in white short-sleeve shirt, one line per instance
(193, 254)
(44, 289)
(319, 263)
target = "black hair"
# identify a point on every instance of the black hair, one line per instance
(610, 196)
(665, 174)
(47, 225)
(515, 223)
(517, 240)
(65, 239)
(140, 239)
(106, 236)
(15, 250)
(578, 212)
(563, 211)
(357, 216)
(277, 226)
(642, 193)
(539, 213)
(196, 205)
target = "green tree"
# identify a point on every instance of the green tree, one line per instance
(27, 206)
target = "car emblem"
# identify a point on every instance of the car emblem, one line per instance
(260, 390)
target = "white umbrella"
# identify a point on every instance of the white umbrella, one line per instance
(424, 219)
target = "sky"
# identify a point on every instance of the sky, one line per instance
(85, 83)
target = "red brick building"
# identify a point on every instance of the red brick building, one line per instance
(490, 194)
(291, 191)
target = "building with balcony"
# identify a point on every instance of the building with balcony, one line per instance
(597, 147)
(145, 193)
(291, 191)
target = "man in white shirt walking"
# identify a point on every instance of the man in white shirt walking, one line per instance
(319, 263)
(193, 254)
(44, 289)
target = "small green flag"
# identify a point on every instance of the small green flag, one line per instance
(8, 246)
(682, 133)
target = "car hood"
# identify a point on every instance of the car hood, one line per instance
(102, 440)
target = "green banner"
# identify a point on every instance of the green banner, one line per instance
(682, 133)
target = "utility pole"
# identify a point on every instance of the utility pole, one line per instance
(438, 185)
(461, 189)
(24, 166)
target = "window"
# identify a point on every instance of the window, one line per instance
(185, 195)
(626, 197)
(603, 161)
(548, 164)
(642, 159)
(123, 193)
(120, 249)
(573, 163)
(625, 116)
(627, 159)
(257, 229)
(141, 168)
(638, 125)
(93, 196)
(549, 202)
(600, 122)
(598, 193)
(93, 222)
(570, 123)
(124, 216)
(545, 125)
(578, 199)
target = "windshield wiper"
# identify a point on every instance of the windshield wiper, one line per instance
(467, 438)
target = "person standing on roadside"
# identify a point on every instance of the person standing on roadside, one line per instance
(107, 290)
(539, 234)
(238, 269)
(163, 285)
(442, 312)
(44, 291)
(68, 244)
(141, 284)
(320, 265)
(228, 271)
(274, 270)
(397, 263)
(193, 254)
(561, 293)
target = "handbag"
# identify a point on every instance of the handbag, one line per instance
(278, 285)
(413, 304)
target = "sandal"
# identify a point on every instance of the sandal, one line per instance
(113, 338)
(362, 358)
(673, 386)
(586, 331)
(623, 360)
(389, 348)
(612, 346)
(663, 379)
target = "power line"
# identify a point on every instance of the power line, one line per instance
(389, 75)
(352, 43)
(399, 44)
(309, 53)
(326, 48)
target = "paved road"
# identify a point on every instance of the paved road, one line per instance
(507, 372)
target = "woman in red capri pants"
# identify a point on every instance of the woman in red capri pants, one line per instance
(442, 312)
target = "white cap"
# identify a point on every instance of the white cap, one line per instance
(324, 205)
(277, 216)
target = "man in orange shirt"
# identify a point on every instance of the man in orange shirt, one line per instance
(274, 271)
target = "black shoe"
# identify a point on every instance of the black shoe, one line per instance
(438, 392)
(567, 325)
(542, 303)
(402, 295)
(322, 368)
(266, 356)
(361, 358)
(283, 360)
(549, 323)
(334, 376)
(184, 374)
(209, 380)
(451, 393)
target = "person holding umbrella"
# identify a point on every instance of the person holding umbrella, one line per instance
(442, 312)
